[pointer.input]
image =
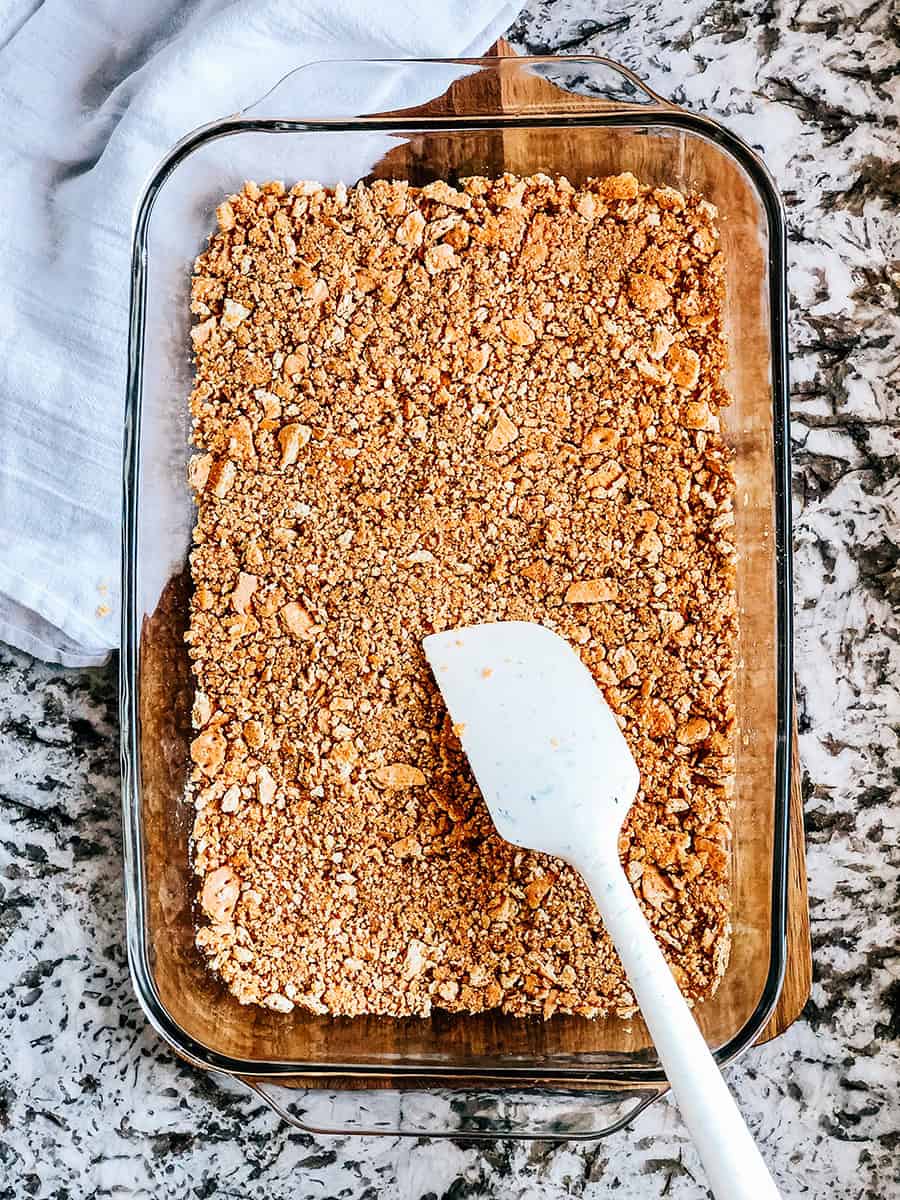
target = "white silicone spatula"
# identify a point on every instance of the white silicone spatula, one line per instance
(557, 775)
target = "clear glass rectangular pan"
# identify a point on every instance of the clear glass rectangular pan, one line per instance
(347, 121)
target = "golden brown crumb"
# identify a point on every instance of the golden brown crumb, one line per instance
(419, 408)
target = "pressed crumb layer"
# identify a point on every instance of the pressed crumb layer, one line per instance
(416, 408)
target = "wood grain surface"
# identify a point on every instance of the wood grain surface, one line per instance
(798, 968)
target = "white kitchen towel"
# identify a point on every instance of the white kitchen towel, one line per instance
(92, 95)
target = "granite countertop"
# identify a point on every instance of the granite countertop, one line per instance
(91, 1101)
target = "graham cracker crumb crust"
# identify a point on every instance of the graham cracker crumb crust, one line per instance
(416, 408)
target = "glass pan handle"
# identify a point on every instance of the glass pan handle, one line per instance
(564, 86)
(533, 1113)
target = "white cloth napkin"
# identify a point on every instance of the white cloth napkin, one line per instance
(92, 95)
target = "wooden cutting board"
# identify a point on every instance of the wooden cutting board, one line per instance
(490, 93)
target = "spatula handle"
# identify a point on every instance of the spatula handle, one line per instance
(733, 1164)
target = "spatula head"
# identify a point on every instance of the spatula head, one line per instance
(548, 755)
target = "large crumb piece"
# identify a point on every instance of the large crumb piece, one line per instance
(421, 408)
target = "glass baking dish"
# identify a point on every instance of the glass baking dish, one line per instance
(486, 1075)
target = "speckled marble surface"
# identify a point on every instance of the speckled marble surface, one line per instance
(92, 1103)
